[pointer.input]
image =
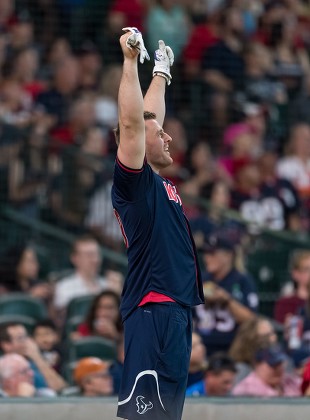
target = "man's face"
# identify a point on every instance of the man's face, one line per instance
(220, 384)
(22, 374)
(157, 145)
(216, 260)
(98, 384)
(274, 374)
(18, 339)
(86, 257)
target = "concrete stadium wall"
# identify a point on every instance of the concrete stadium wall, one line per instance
(195, 409)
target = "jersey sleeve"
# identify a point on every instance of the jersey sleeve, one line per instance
(250, 296)
(131, 184)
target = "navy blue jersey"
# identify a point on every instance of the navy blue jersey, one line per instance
(161, 252)
(270, 206)
(216, 324)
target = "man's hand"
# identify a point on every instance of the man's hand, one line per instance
(164, 59)
(135, 42)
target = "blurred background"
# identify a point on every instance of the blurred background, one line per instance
(238, 111)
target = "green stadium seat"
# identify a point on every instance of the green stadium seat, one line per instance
(72, 324)
(28, 322)
(92, 346)
(79, 306)
(22, 304)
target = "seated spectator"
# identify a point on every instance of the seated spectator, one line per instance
(268, 378)
(230, 295)
(295, 165)
(47, 338)
(163, 21)
(14, 339)
(215, 218)
(90, 66)
(223, 70)
(218, 379)
(252, 334)
(85, 280)
(294, 299)
(262, 204)
(198, 361)
(92, 376)
(53, 104)
(106, 102)
(20, 273)
(103, 318)
(16, 378)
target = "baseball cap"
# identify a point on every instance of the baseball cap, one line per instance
(215, 242)
(272, 355)
(88, 366)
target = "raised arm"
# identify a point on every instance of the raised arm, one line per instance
(131, 149)
(154, 99)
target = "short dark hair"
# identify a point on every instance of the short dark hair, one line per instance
(45, 323)
(147, 115)
(220, 362)
(4, 331)
(83, 238)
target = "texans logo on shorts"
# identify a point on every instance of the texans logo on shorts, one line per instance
(142, 406)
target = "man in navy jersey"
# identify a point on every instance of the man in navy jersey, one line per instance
(230, 296)
(163, 280)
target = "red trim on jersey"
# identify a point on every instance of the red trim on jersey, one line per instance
(126, 167)
(118, 217)
(155, 297)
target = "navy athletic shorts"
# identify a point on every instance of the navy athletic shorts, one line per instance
(158, 339)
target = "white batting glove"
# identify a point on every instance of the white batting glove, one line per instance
(135, 40)
(164, 59)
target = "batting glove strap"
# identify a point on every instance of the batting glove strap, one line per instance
(163, 58)
(135, 40)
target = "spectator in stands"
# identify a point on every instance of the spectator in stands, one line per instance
(215, 218)
(304, 332)
(251, 335)
(53, 105)
(268, 378)
(19, 272)
(163, 21)
(293, 300)
(106, 102)
(25, 70)
(223, 67)
(230, 296)
(198, 361)
(21, 31)
(90, 66)
(14, 339)
(218, 380)
(103, 318)
(203, 35)
(46, 336)
(93, 377)
(280, 189)
(85, 280)
(299, 106)
(85, 169)
(16, 378)
(263, 200)
(16, 104)
(295, 165)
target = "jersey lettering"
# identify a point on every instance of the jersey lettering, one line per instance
(172, 193)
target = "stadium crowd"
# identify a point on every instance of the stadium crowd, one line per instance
(238, 115)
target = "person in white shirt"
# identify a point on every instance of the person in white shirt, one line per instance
(85, 280)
